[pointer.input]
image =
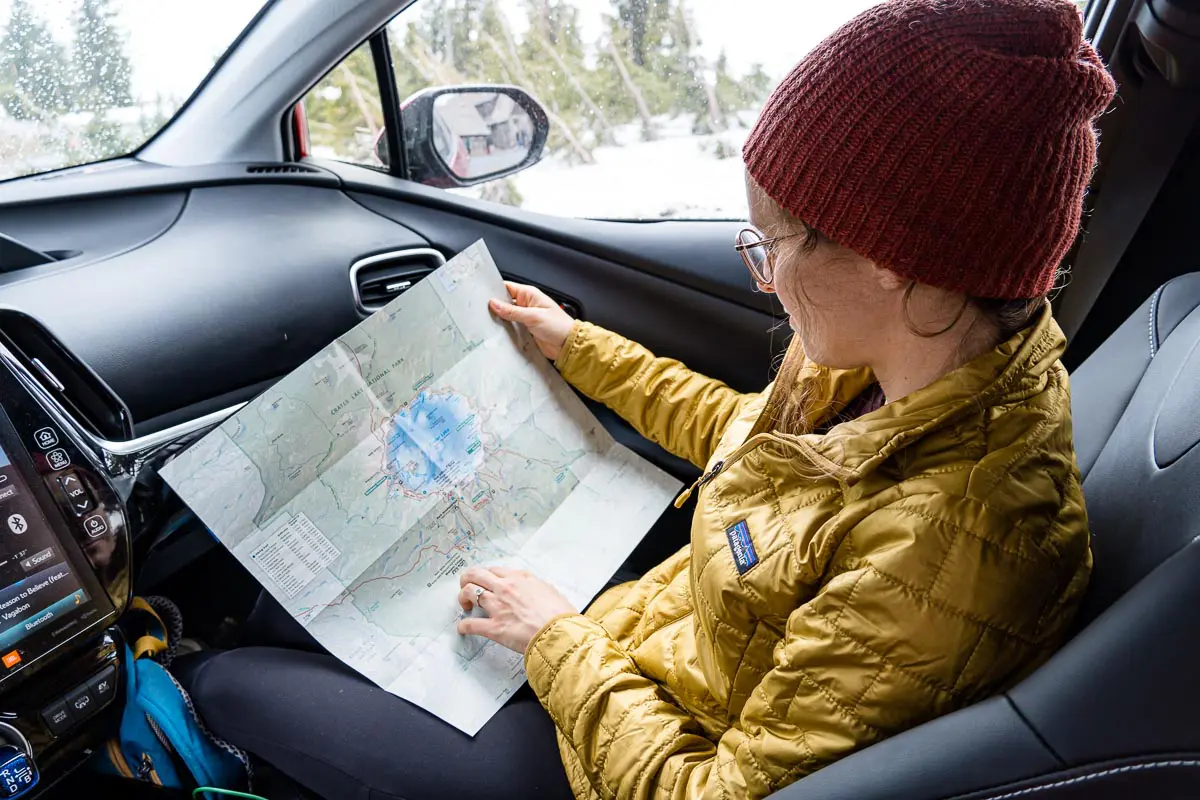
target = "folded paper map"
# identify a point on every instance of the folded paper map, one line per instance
(429, 438)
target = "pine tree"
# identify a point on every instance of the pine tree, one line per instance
(642, 22)
(433, 28)
(589, 88)
(102, 69)
(557, 21)
(700, 92)
(33, 78)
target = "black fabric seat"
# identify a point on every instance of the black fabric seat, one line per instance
(1116, 713)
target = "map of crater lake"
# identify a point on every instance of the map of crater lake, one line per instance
(429, 438)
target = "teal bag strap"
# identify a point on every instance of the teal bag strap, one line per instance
(158, 709)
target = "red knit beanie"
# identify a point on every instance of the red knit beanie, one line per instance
(950, 141)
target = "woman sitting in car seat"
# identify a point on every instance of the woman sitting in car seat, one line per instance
(892, 530)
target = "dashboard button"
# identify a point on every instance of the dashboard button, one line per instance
(58, 459)
(77, 493)
(95, 526)
(81, 703)
(37, 560)
(71, 484)
(46, 438)
(58, 717)
(103, 685)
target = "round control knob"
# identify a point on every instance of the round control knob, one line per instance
(18, 772)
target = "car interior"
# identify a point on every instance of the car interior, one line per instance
(144, 299)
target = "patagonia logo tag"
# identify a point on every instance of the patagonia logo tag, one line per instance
(742, 546)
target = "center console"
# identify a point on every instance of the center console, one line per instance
(65, 553)
(64, 576)
(60, 527)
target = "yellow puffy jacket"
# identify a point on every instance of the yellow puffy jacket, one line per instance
(810, 617)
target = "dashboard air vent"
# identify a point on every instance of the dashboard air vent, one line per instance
(282, 169)
(379, 279)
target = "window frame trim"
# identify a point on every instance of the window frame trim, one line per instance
(389, 100)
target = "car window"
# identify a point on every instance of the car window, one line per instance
(344, 112)
(86, 80)
(649, 100)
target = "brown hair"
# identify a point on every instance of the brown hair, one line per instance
(792, 409)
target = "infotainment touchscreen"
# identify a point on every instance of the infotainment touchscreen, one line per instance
(47, 593)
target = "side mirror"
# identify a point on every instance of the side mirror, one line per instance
(463, 135)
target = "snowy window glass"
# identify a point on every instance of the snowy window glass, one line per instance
(649, 100)
(87, 80)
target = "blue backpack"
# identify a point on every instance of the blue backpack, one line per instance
(162, 739)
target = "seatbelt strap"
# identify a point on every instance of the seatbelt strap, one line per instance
(1153, 137)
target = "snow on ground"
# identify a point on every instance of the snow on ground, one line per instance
(496, 161)
(678, 175)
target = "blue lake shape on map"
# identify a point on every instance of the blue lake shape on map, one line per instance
(434, 443)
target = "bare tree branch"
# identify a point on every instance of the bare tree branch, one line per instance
(716, 118)
(416, 64)
(519, 68)
(648, 128)
(606, 131)
(442, 72)
(585, 155)
(504, 65)
(359, 99)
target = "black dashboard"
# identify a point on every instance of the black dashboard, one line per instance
(192, 296)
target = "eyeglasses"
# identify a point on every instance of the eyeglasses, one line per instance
(758, 251)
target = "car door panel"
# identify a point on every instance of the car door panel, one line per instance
(697, 254)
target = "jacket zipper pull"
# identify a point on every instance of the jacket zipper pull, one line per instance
(699, 484)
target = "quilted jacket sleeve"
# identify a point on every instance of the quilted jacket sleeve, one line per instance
(681, 410)
(827, 695)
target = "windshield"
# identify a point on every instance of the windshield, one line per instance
(86, 80)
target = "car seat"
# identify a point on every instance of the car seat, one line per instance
(1116, 712)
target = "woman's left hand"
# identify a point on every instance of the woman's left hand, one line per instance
(517, 604)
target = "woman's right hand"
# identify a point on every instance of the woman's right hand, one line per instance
(547, 322)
